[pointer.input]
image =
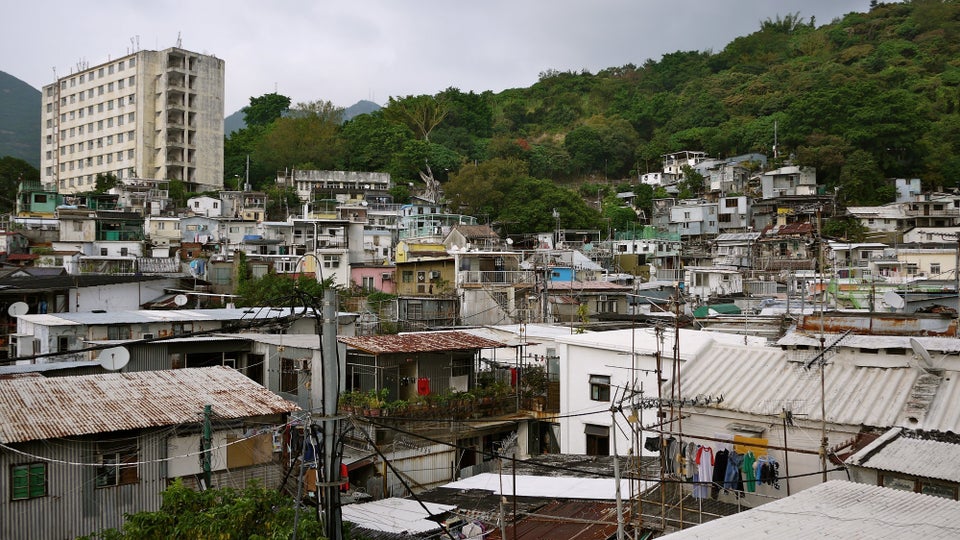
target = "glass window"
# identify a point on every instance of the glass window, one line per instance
(118, 467)
(599, 388)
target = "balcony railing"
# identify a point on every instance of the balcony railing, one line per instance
(471, 277)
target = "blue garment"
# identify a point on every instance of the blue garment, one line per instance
(733, 479)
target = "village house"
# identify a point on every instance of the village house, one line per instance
(92, 449)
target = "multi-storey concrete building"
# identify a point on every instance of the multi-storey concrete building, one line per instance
(150, 114)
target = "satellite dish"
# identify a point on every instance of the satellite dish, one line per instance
(114, 358)
(893, 300)
(17, 309)
(180, 299)
(926, 363)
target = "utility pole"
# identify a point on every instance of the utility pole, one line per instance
(330, 387)
(207, 445)
(616, 474)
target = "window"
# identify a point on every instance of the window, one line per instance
(118, 332)
(407, 276)
(598, 440)
(934, 268)
(331, 261)
(367, 283)
(118, 467)
(28, 481)
(599, 388)
(288, 376)
(605, 305)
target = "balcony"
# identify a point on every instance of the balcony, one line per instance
(501, 278)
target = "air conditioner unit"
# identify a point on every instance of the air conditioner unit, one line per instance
(386, 276)
(147, 335)
(435, 274)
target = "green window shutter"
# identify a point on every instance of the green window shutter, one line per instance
(21, 482)
(38, 480)
(29, 481)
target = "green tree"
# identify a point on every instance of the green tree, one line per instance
(219, 514)
(306, 139)
(530, 204)
(482, 190)
(692, 185)
(419, 113)
(12, 172)
(278, 290)
(264, 110)
(370, 141)
(105, 182)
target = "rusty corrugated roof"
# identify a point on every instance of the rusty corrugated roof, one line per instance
(420, 342)
(587, 521)
(36, 408)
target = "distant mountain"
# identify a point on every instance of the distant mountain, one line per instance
(19, 120)
(361, 107)
(235, 121)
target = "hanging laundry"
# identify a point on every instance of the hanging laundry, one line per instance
(423, 386)
(652, 444)
(701, 489)
(749, 474)
(733, 479)
(719, 472)
(768, 471)
(670, 461)
(691, 458)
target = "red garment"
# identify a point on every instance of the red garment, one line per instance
(423, 386)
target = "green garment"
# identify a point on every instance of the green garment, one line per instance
(749, 477)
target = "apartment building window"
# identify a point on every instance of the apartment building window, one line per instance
(90, 93)
(73, 81)
(407, 276)
(132, 80)
(120, 120)
(49, 107)
(28, 481)
(133, 62)
(131, 117)
(331, 261)
(110, 122)
(599, 388)
(120, 155)
(110, 105)
(120, 84)
(81, 78)
(100, 73)
(598, 440)
(117, 467)
(130, 152)
(934, 268)
(100, 90)
(99, 107)
(109, 87)
(119, 137)
(110, 69)
(120, 65)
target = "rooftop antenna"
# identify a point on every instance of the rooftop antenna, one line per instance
(179, 41)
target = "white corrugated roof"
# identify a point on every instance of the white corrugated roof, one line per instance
(841, 510)
(760, 380)
(562, 487)
(159, 315)
(897, 451)
(643, 341)
(37, 408)
(940, 344)
(395, 515)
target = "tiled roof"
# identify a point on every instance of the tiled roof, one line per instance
(419, 342)
(37, 408)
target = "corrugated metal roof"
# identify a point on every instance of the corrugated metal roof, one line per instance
(897, 451)
(842, 510)
(395, 515)
(415, 342)
(35, 408)
(940, 344)
(565, 519)
(149, 316)
(45, 366)
(575, 286)
(760, 380)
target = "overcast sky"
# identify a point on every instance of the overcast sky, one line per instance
(347, 50)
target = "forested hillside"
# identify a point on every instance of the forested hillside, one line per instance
(19, 120)
(872, 96)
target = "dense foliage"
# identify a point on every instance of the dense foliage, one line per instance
(867, 97)
(220, 514)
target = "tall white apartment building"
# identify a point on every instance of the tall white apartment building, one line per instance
(151, 114)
